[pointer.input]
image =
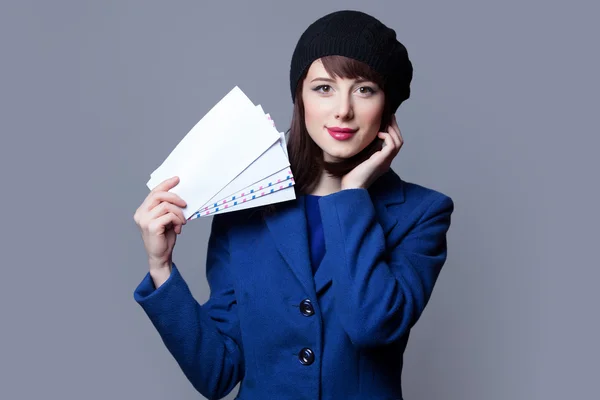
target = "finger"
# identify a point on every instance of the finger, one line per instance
(149, 202)
(156, 198)
(175, 222)
(399, 138)
(395, 132)
(392, 130)
(159, 225)
(166, 185)
(389, 143)
(164, 208)
(178, 212)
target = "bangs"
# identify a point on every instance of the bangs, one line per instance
(348, 68)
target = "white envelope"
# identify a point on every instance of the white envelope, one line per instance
(224, 143)
(279, 180)
(277, 196)
(273, 160)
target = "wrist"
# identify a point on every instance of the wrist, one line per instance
(160, 275)
(160, 265)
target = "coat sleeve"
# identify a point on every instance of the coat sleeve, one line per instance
(380, 290)
(205, 340)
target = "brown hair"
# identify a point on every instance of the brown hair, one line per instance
(306, 157)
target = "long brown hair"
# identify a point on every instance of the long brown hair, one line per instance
(306, 157)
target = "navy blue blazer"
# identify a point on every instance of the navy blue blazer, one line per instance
(286, 334)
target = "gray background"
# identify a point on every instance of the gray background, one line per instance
(503, 118)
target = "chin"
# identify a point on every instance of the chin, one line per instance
(341, 152)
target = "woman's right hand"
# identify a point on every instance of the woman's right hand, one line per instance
(160, 220)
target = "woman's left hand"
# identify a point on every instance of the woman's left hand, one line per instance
(364, 174)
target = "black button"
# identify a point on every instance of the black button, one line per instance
(306, 356)
(306, 308)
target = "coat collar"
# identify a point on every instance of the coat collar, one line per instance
(290, 232)
(388, 189)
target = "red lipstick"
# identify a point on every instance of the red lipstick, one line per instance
(341, 133)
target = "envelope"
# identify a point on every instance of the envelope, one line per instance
(234, 148)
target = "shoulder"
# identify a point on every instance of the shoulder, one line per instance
(233, 218)
(245, 221)
(418, 193)
(403, 197)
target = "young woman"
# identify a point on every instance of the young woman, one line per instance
(314, 298)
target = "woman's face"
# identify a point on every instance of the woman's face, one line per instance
(341, 115)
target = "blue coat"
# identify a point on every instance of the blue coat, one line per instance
(286, 334)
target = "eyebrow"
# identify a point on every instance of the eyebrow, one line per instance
(359, 80)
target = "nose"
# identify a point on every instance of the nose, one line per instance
(344, 108)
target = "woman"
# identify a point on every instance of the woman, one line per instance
(315, 298)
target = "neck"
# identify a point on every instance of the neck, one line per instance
(327, 185)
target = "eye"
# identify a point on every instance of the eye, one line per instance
(322, 88)
(366, 90)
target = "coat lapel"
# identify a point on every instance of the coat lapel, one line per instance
(290, 234)
(386, 191)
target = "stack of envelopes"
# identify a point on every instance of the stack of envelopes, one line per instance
(232, 159)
